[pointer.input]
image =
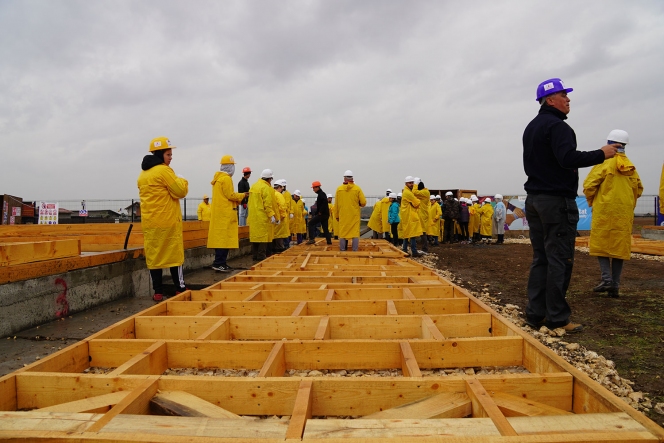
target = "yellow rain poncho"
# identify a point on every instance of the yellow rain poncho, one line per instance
(611, 189)
(331, 222)
(486, 214)
(434, 219)
(661, 192)
(410, 220)
(223, 224)
(474, 219)
(288, 200)
(385, 212)
(203, 212)
(349, 199)
(423, 211)
(298, 225)
(160, 191)
(376, 220)
(282, 229)
(261, 196)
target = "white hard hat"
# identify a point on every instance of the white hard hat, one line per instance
(487, 200)
(438, 197)
(297, 192)
(432, 197)
(456, 199)
(348, 173)
(267, 173)
(330, 196)
(498, 197)
(392, 195)
(473, 198)
(618, 135)
(388, 190)
(408, 179)
(399, 194)
(283, 182)
(417, 180)
(448, 193)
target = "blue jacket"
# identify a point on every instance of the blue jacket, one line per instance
(393, 213)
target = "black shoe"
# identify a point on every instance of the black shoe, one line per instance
(311, 242)
(603, 287)
(613, 292)
(535, 324)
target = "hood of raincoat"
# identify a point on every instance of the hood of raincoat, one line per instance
(150, 161)
(228, 169)
(624, 166)
(217, 176)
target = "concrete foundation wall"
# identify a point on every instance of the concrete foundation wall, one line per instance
(32, 302)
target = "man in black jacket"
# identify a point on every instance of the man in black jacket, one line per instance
(551, 162)
(243, 186)
(321, 215)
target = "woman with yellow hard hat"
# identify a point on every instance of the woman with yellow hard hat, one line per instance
(160, 191)
(203, 212)
(223, 233)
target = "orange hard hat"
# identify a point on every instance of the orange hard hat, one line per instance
(245, 170)
(316, 183)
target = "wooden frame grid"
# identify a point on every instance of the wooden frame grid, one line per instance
(316, 309)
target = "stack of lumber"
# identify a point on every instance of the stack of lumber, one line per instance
(640, 245)
(277, 344)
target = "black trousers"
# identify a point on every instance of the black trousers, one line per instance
(176, 274)
(323, 222)
(395, 234)
(258, 251)
(448, 227)
(464, 230)
(552, 221)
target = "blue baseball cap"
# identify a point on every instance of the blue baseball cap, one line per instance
(551, 86)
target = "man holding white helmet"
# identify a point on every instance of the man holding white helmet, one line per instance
(349, 201)
(551, 162)
(612, 189)
(261, 214)
(450, 211)
(499, 215)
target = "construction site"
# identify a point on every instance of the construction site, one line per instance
(310, 344)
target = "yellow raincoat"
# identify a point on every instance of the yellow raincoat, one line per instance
(486, 214)
(423, 211)
(282, 229)
(288, 200)
(298, 225)
(385, 212)
(611, 189)
(376, 219)
(661, 192)
(223, 225)
(410, 220)
(349, 200)
(203, 211)
(474, 219)
(331, 222)
(160, 191)
(434, 219)
(261, 196)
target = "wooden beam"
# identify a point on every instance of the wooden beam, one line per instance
(275, 365)
(97, 404)
(254, 296)
(513, 406)
(184, 404)
(483, 406)
(218, 331)
(152, 361)
(215, 309)
(408, 294)
(447, 405)
(137, 402)
(323, 331)
(301, 308)
(429, 329)
(30, 252)
(391, 309)
(303, 266)
(301, 410)
(330, 295)
(408, 361)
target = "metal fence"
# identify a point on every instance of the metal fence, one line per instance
(120, 210)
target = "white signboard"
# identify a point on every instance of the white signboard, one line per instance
(48, 213)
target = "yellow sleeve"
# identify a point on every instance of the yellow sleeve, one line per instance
(268, 200)
(199, 212)
(363, 201)
(178, 187)
(229, 193)
(661, 192)
(592, 182)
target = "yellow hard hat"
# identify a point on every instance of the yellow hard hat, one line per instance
(205, 197)
(159, 143)
(227, 160)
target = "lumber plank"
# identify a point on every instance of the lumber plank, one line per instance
(136, 402)
(429, 329)
(300, 310)
(97, 404)
(173, 327)
(184, 404)
(323, 331)
(275, 364)
(483, 406)
(301, 410)
(254, 296)
(513, 406)
(273, 328)
(208, 354)
(8, 393)
(214, 310)
(465, 352)
(391, 308)
(110, 353)
(152, 361)
(399, 430)
(614, 422)
(218, 331)
(408, 294)
(408, 361)
(303, 266)
(74, 358)
(20, 253)
(69, 423)
(447, 405)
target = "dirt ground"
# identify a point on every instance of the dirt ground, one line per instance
(628, 330)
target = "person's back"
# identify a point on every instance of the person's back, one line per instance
(349, 202)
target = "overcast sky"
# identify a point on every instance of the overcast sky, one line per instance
(437, 89)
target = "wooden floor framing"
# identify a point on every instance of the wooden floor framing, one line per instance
(258, 335)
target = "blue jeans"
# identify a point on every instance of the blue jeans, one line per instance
(552, 221)
(413, 245)
(220, 256)
(343, 244)
(242, 217)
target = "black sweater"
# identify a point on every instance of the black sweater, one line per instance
(322, 208)
(550, 158)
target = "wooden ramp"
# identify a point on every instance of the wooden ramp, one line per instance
(321, 346)
(639, 245)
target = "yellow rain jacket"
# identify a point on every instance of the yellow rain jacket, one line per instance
(349, 200)
(160, 191)
(288, 200)
(376, 219)
(298, 225)
(203, 211)
(434, 219)
(410, 220)
(486, 214)
(385, 212)
(331, 222)
(661, 192)
(474, 219)
(261, 196)
(423, 211)
(223, 225)
(282, 229)
(611, 189)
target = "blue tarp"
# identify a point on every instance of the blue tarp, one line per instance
(585, 214)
